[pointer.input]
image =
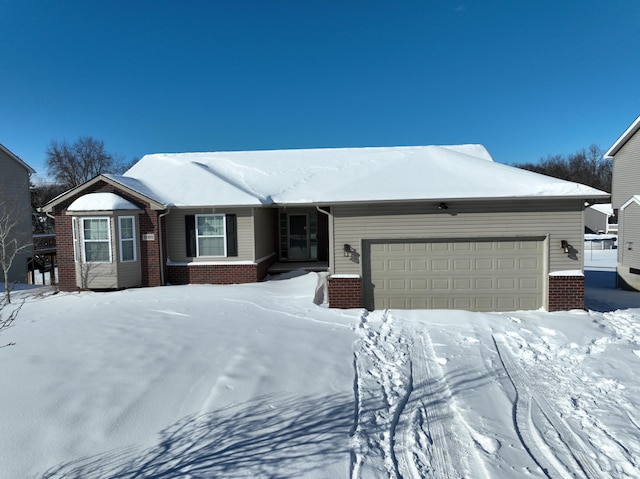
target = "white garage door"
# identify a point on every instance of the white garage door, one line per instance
(478, 275)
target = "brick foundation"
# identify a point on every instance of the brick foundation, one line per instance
(566, 292)
(345, 292)
(218, 273)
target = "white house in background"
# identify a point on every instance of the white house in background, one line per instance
(599, 219)
(625, 199)
(15, 205)
(400, 227)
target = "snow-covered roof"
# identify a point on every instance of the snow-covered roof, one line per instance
(604, 208)
(101, 202)
(317, 176)
(619, 143)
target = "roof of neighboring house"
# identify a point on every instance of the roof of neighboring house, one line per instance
(619, 143)
(604, 208)
(15, 157)
(337, 175)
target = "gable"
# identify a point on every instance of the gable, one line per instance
(8, 156)
(626, 170)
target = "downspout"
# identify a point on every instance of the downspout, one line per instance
(331, 248)
(160, 245)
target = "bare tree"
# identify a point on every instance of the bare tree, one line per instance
(6, 321)
(73, 164)
(585, 166)
(15, 235)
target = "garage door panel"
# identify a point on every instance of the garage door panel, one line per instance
(440, 265)
(507, 283)
(484, 264)
(486, 275)
(484, 283)
(418, 265)
(397, 265)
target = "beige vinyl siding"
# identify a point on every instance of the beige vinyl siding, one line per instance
(97, 275)
(129, 272)
(630, 232)
(264, 232)
(114, 274)
(15, 196)
(176, 242)
(554, 219)
(626, 172)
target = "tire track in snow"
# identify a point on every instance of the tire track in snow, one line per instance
(425, 450)
(406, 425)
(531, 415)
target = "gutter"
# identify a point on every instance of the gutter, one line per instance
(331, 241)
(160, 216)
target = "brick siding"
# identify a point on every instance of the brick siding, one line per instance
(345, 293)
(218, 273)
(149, 253)
(566, 292)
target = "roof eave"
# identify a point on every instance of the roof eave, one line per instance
(155, 205)
(17, 159)
(619, 143)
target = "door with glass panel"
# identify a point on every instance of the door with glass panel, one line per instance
(298, 237)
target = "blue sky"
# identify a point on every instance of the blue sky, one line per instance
(525, 78)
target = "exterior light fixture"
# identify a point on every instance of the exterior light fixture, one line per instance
(442, 206)
(629, 245)
(347, 249)
(565, 246)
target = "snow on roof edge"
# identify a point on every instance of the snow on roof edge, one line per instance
(628, 133)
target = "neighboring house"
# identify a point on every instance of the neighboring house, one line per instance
(15, 206)
(600, 219)
(398, 227)
(625, 199)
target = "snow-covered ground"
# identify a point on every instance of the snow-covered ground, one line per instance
(258, 381)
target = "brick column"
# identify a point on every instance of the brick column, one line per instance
(345, 292)
(566, 292)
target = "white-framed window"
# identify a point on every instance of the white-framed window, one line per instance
(127, 238)
(74, 227)
(211, 235)
(96, 240)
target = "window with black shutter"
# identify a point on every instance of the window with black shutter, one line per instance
(191, 235)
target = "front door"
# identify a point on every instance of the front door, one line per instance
(298, 237)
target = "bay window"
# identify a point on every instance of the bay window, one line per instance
(127, 232)
(96, 240)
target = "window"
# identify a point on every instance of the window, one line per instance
(75, 238)
(127, 231)
(210, 235)
(96, 239)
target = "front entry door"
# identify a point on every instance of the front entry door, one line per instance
(298, 237)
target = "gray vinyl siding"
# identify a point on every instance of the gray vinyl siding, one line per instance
(595, 220)
(556, 220)
(264, 232)
(626, 172)
(629, 233)
(14, 193)
(176, 243)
